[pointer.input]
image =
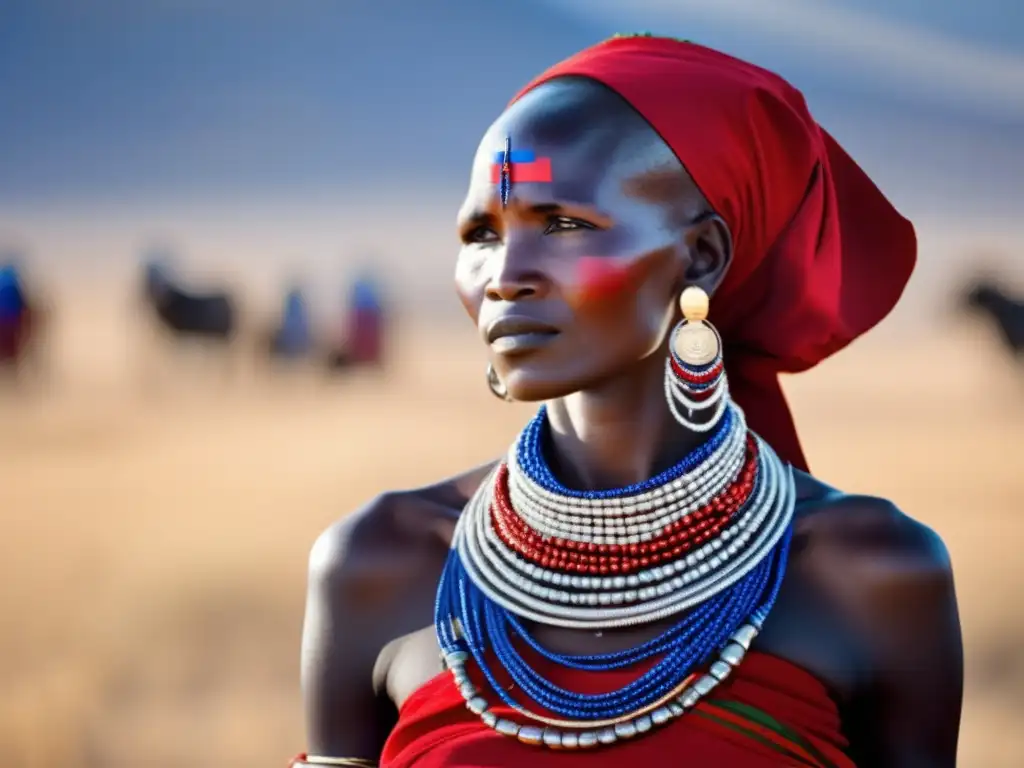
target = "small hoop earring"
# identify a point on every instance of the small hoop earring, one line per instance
(694, 372)
(496, 386)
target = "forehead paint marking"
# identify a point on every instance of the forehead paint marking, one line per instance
(523, 166)
(600, 277)
(506, 172)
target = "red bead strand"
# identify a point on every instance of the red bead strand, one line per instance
(674, 540)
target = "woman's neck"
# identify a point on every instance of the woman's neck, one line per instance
(617, 433)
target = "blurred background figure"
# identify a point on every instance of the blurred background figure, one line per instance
(1002, 309)
(22, 323)
(293, 338)
(15, 316)
(184, 316)
(363, 339)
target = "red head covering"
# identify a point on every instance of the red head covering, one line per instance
(820, 256)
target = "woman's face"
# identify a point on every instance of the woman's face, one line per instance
(576, 279)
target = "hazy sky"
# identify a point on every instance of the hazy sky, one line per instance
(301, 132)
(170, 100)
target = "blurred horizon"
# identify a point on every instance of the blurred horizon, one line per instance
(267, 138)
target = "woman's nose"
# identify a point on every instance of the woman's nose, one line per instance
(516, 276)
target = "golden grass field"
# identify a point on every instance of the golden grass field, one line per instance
(154, 543)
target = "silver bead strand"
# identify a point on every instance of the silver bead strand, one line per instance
(587, 734)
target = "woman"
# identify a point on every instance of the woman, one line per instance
(614, 587)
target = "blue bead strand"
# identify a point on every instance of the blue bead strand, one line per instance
(678, 662)
(485, 626)
(529, 455)
(681, 632)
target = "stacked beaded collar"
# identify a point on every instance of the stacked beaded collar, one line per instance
(705, 542)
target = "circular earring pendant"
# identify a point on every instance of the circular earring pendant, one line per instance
(695, 342)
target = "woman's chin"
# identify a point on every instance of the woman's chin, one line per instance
(527, 388)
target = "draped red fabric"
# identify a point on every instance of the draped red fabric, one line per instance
(820, 255)
(435, 729)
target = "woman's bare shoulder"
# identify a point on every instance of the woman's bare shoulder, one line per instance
(891, 578)
(395, 528)
(871, 529)
(372, 578)
(890, 574)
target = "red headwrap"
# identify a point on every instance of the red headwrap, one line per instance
(820, 256)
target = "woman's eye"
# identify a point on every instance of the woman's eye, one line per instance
(566, 224)
(481, 235)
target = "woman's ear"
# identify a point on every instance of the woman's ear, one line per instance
(709, 247)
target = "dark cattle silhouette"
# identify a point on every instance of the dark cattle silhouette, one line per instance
(185, 314)
(1004, 310)
(186, 317)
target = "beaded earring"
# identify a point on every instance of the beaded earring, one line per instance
(496, 386)
(695, 378)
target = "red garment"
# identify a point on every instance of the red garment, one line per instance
(435, 730)
(366, 333)
(820, 255)
(14, 333)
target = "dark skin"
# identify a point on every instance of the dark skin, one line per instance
(868, 604)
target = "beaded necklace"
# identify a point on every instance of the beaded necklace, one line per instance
(704, 543)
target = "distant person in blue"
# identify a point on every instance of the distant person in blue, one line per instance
(14, 314)
(12, 294)
(294, 337)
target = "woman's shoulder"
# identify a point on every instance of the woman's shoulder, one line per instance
(890, 579)
(887, 574)
(859, 527)
(396, 527)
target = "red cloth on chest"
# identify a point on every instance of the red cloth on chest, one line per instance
(436, 730)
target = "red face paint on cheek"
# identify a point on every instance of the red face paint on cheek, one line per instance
(599, 278)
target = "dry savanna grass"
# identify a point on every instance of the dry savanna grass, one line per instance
(155, 540)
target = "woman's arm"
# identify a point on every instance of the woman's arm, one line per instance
(350, 593)
(909, 715)
(372, 579)
(920, 661)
